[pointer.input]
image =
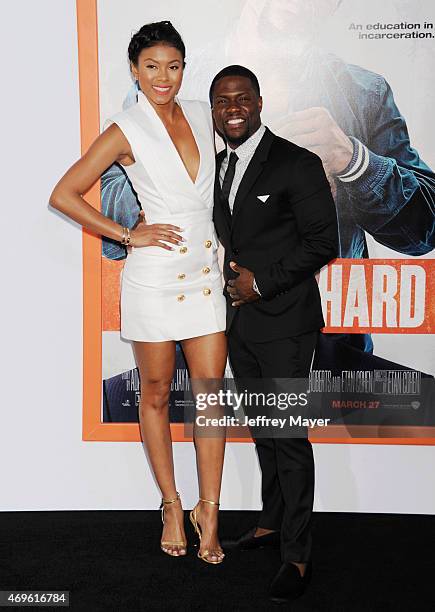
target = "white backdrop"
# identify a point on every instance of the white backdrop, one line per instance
(44, 463)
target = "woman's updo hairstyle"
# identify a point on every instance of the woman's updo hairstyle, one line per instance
(151, 34)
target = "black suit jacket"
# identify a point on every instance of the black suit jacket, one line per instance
(283, 240)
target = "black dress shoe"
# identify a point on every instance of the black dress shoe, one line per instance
(288, 584)
(247, 541)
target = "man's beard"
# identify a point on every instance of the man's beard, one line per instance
(237, 141)
(240, 139)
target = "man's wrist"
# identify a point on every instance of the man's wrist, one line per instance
(358, 163)
(366, 170)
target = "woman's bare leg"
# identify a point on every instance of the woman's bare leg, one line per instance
(156, 361)
(206, 358)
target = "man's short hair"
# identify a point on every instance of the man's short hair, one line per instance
(235, 70)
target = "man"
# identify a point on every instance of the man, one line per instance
(275, 216)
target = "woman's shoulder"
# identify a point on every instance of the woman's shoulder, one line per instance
(122, 118)
(197, 105)
(112, 118)
(198, 111)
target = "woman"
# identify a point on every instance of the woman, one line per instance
(171, 286)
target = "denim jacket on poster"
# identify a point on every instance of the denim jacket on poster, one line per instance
(394, 199)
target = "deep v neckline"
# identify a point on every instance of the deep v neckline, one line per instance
(142, 98)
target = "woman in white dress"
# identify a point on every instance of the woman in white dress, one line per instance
(171, 286)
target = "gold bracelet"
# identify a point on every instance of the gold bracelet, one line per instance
(127, 241)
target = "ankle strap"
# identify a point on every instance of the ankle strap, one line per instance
(207, 501)
(169, 501)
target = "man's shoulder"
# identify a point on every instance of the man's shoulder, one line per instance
(286, 146)
(278, 148)
(282, 148)
(358, 82)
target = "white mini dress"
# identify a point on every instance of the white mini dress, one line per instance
(171, 295)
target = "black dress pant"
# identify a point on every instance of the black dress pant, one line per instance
(287, 464)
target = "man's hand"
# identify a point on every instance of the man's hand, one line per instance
(240, 288)
(315, 130)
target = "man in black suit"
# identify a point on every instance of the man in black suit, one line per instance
(276, 218)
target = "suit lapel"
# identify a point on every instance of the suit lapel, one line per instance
(220, 202)
(252, 171)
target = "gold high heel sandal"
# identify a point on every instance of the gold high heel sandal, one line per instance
(181, 544)
(197, 529)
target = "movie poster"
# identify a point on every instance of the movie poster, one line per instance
(329, 71)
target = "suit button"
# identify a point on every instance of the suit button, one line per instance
(206, 291)
(181, 297)
(207, 244)
(206, 270)
(181, 276)
(236, 251)
(183, 249)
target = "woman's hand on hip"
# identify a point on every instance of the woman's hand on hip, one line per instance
(157, 234)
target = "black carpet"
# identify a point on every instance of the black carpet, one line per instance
(111, 560)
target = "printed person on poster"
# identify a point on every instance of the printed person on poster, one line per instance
(345, 114)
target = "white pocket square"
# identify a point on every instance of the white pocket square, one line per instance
(263, 198)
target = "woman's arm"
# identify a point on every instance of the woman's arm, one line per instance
(111, 146)
(120, 203)
(67, 196)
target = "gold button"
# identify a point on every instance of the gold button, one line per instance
(181, 276)
(183, 249)
(206, 291)
(181, 297)
(207, 244)
(206, 270)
